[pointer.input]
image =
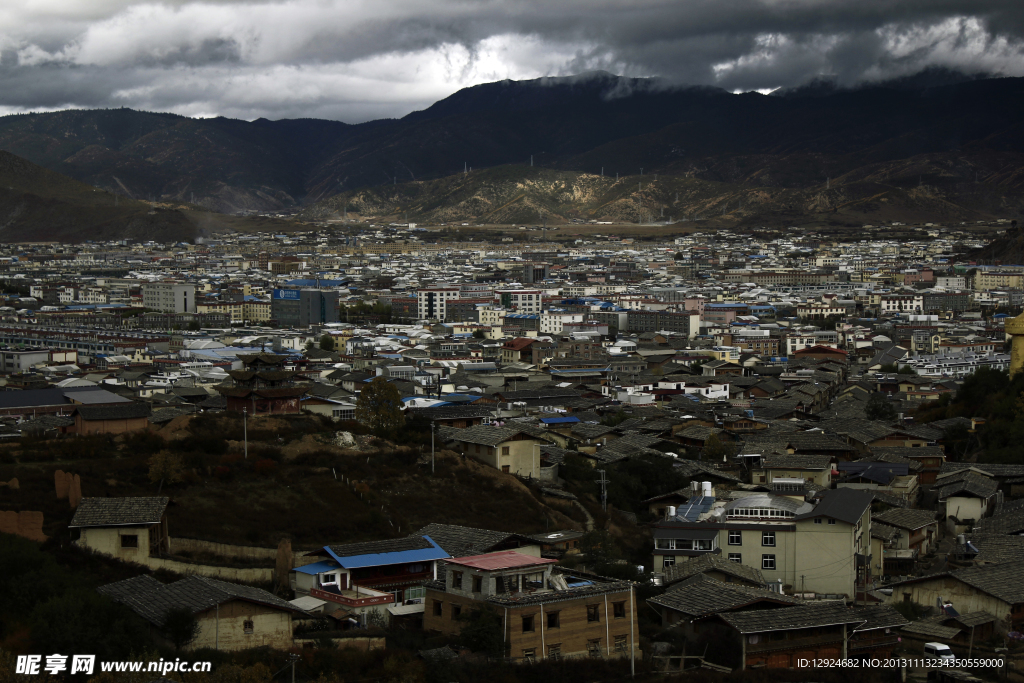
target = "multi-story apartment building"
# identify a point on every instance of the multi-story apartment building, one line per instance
(547, 612)
(521, 300)
(169, 297)
(902, 303)
(304, 307)
(432, 303)
(820, 547)
(552, 322)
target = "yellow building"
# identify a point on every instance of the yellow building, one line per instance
(130, 529)
(230, 616)
(503, 448)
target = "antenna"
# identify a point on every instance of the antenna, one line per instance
(602, 171)
(465, 167)
(531, 161)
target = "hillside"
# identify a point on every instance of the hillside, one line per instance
(530, 196)
(37, 204)
(956, 149)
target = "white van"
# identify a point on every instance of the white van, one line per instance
(938, 651)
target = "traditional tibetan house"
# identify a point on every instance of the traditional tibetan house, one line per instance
(263, 387)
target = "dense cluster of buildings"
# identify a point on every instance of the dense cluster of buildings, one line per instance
(779, 375)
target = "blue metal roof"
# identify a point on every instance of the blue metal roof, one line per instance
(378, 559)
(317, 567)
(559, 420)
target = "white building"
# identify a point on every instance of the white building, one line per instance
(169, 297)
(432, 304)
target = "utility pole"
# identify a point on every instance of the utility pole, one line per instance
(603, 481)
(641, 170)
(531, 161)
(465, 167)
(433, 430)
(602, 171)
(245, 430)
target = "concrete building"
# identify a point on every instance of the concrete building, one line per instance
(169, 297)
(819, 548)
(548, 612)
(304, 307)
(431, 304)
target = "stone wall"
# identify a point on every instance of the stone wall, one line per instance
(27, 524)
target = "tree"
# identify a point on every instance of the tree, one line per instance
(482, 631)
(326, 343)
(879, 408)
(715, 450)
(166, 466)
(479, 334)
(181, 627)
(380, 407)
(907, 370)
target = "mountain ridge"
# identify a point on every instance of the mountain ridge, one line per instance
(579, 124)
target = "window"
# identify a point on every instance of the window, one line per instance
(130, 541)
(665, 544)
(553, 620)
(528, 624)
(505, 450)
(735, 538)
(619, 610)
(438, 608)
(736, 557)
(478, 584)
(530, 655)
(505, 469)
(621, 643)
(555, 651)
(669, 561)
(593, 613)
(831, 521)
(594, 647)
(817, 520)
(456, 579)
(767, 562)
(456, 611)
(768, 538)
(247, 626)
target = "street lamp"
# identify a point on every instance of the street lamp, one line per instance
(245, 430)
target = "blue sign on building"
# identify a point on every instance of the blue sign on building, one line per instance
(292, 294)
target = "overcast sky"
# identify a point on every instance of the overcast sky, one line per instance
(355, 60)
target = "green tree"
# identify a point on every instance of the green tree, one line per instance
(326, 343)
(479, 334)
(380, 407)
(879, 408)
(715, 449)
(907, 370)
(482, 631)
(181, 627)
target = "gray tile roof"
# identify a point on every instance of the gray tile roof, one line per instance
(391, 545)
(152, 600)
(884, 532)
(846, 505)
(1011, 522)
(997, 548)
(879, 616)
(932, 629)
(906, 518)
(486, 435)
(795, 461)
(464, 541)
(119, 511)
(712, 563)
(796, 617)
(124, 411)
(701, 596)
(970, 484)
(998, 470)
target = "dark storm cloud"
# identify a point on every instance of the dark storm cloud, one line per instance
(359, 59)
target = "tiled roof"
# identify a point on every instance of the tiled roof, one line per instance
(124, 411)
(998, 470)
(795, 461)
(392, 545)
(970, 484)
(701, 596)
(119, 511)
(463, 541)
(486, 435)
(151, 599)
(884, 532)
(712, 563)
(932, 629)
(879, 616)
(796, 617)
(846, 505)
(906, 518)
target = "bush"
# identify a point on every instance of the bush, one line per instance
(265, 467)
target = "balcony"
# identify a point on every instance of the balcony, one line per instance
(353, 598)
